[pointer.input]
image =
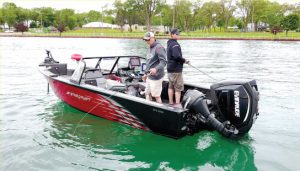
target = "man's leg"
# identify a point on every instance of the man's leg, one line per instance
(147, 90)
(171, 95)
(171, 88)
(177, 96)
(158, 99)
(148, 97)
(156, 88)
(178, 86)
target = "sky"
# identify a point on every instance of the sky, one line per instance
(77, 5)
(83, 5)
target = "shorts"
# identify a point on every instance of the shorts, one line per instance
(154, 87)
(176, 81)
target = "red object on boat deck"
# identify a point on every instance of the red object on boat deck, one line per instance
(114, 77)
(76, 57)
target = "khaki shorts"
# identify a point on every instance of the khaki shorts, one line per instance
(176, 81)
(154, 87)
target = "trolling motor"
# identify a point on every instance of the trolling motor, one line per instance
(49, 59)
(231, 109)
(54, 66)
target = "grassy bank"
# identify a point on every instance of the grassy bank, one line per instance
(190, 35)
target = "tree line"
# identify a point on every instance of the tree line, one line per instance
(183, 14)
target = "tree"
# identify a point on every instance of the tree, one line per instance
(44, 16)
(61, 28)
(275, 30)
(47, 16)
(236, 22)
(120, 12)
(149, 8)
(93, 16)
(33, 24)
(109, 16)
(9, 14)
(81, 19)
(245, 10)
(290, 22)
(21, 27)
(131, 14)
(296, 10)
(1, 17)
(199, 21)
(259, 8)
(65, 17)
(225, 13)
(184, 14)
(22, 14)
(208, 12)
(273, 14)
(35, 15)
(166, 15)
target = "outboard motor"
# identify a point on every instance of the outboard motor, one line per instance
(231, 109)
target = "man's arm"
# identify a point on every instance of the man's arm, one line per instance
(176, 53)
(162, 57)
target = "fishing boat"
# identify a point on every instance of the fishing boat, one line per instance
(111, 87)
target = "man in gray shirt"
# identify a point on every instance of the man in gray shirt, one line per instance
(155, 64)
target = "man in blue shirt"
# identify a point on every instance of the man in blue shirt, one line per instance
(174, 68)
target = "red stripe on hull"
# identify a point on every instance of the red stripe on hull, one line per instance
(94, 103)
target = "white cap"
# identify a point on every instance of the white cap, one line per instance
(148, 35)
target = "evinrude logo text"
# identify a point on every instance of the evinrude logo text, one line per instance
(237, 103)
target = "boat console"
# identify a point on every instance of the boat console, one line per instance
(130, 74)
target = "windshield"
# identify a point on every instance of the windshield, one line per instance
(75, 78)
(106, 65)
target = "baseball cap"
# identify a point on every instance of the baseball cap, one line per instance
(148, 35)
(175, 31)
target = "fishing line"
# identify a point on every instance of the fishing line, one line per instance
(202, 72)
(86, 113)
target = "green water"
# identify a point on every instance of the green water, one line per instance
(138, 149)
(39, 132)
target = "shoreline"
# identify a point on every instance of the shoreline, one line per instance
(159, 37)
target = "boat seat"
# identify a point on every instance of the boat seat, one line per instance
(93, 74)
(95, 77)
(115, 85)
(138, 85)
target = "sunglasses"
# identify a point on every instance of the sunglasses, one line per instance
(146, 40)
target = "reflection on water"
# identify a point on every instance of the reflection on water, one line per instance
(126, 147)
(40, 132)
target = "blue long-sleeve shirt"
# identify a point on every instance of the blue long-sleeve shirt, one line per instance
(175, 59)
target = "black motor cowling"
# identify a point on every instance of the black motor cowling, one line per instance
(230, 108)
(237, 102)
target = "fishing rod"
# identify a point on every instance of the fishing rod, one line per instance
(202, 71)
